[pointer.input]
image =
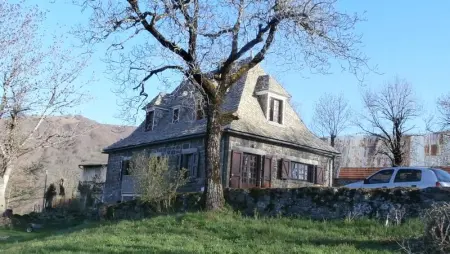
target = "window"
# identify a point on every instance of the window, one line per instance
(408, 175)
(199, 110)
(149, 120)
(175, 115)
(381, 177)
(441, 175)
(296, 171)
(299, 171)
(190, 163)
(276, 110)
(126, 166)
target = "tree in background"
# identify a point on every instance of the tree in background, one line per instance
(36, 81)
(332, 115)
(387, 116)
(444, 110)
(206, 43)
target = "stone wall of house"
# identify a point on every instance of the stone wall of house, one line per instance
(278, 152)
(310, 202)
(172, 150)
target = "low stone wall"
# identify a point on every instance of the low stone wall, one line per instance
(313, 202)
(336, 203)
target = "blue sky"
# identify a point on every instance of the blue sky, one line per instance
(409, 39)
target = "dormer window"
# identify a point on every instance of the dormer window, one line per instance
(276, 110)
(199, 110)
(175, 115)
(149, 120)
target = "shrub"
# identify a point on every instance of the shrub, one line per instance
(437, 229)
(155, 182)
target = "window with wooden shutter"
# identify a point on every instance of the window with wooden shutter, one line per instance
(125, 166)
(285, 169)
(267, 172)
(189, 162)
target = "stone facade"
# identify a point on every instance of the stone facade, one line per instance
(266, 131)
(278, 152)
(113, 186)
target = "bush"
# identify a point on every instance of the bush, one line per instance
(155, 182)
(437, 229)
(6, 222)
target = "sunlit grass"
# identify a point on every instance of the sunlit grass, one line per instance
(216, 233)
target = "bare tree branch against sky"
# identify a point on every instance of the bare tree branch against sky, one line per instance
(332, 115)
(388, 115)
(213, 44)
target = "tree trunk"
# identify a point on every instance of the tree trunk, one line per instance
(214, 199)
(3, 184)
(398, 160)
(332, 140)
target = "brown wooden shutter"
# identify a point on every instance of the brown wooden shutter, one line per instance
(196, 160)
(286, 169)
(311, 173)
(235, 172)
(267, 172)
(320, 175)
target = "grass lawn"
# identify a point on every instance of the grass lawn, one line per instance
(215, 233)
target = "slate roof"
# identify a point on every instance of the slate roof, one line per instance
(240, 99)
(267, 83)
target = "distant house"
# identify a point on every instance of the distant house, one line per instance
(268, 146)
(92, 181)
(360, 157)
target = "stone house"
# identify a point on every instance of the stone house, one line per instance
(267, 147)
(92, 183)
(359, 156)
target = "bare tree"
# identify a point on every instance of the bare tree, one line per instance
(36, 80)
(444, 110)
(387, 116)
(332, 115)
(206, 41)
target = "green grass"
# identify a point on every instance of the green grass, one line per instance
(216, 233)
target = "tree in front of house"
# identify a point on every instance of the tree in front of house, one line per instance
(387, 116)
(332, 115)
(206, 42)
(155, 181)
(36, 81)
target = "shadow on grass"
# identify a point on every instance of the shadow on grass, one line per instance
(363, 245)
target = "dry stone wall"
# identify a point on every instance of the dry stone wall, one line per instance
(312, 202)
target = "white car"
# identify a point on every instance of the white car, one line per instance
(412, 177)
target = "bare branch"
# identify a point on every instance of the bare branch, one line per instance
(387, 114)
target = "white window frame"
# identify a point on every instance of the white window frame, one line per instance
(153, 120)
(173, 113)
(283, 107)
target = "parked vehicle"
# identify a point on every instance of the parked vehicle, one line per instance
(415, 177)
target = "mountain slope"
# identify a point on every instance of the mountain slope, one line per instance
(26, 187)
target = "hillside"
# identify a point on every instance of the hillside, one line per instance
(26, 189)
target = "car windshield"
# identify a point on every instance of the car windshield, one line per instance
(441, 175)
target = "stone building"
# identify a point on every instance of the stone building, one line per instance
(268, 146)
(360, 157)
